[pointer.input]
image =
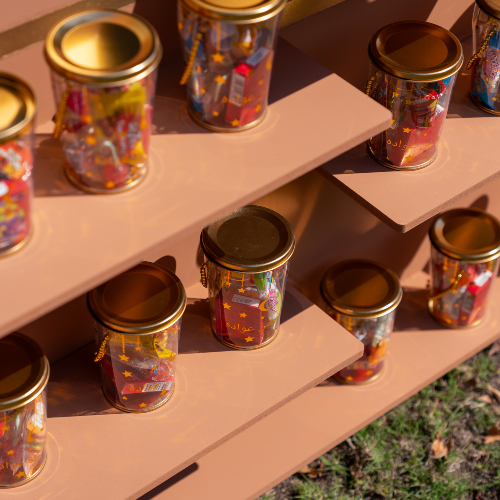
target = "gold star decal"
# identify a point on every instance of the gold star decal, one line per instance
(395, 94)
(143, 405)
(407, 130)
(392, 122)
(225, 99)
(408, 101)
(235, 122)
(218, 57)
(349, 378)
(215, 113)
(163, 392)
(10, 452)
(409, 158)
(127, 374)
(249, 339)
(137, 348)
(124, 358)
(241, 290)
(125, 397)
(262, 317)
(425, 135)
(226, 306)
(20, 474)
(220, 79)
(258, 108)
(243, 315)
(261, 82)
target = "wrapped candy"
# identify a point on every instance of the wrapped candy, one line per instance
(105, 110)
(362, 296)
(485, 63)
(137, 325)
(229, 55)
(246, 303)
(16, 162)
(23, 415)
(413, 76)
(464, 265)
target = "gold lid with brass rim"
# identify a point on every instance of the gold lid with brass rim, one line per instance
(24, 371)
(103, 47)
(491, 7)
(237, 11)
(361, 288)
(416, 50)
(250, 240)
(466, 234)
(143, 300)
(17, 106)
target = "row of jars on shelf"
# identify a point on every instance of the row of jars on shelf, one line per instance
(104, 65)
(137, 316)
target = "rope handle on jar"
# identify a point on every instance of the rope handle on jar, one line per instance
(203, 273)
(102, 348)
(479, 53)
(192, 56)
(452, 287)
(370, 83)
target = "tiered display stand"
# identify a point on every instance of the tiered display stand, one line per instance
(239, 422)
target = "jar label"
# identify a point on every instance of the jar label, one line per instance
(247, 301)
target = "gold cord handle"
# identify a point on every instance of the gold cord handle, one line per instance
(478, 54)
(203, 272)
(449, 289)
(369, 84)
(61, 110)
(192, 56)
(102, 349)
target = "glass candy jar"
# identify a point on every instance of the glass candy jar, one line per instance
(465, 246)
(245, 271)
(17, 113)
(229, 49)
(362, 297)
(24, 373)
(413, 67)
(485, 63)
(137, 325)
(104, 74)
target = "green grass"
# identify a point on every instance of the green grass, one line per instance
(390, 458)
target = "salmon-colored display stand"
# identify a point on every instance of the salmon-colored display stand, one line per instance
(241, 421)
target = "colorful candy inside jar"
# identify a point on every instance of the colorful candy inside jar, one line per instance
(245, 271)
(105, 96)
(412, 73)
(485, 63)
(137, 325)
(465, 246)
(17, 111)
(362, 296)
(229, 52)
(24, 373)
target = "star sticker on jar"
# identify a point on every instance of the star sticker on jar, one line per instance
(127, 374)
(226, 306)
(243, 315)
(138, 348)
(124, 358)
(220, 79)
(409, 158)
(218, 58)
(241, 290)
(143, 405)
(249, 339)
(10, 452)
(215, 113)
(20, 474)
(125, 397)
(407, 130)
(258, 108)
(235, 122)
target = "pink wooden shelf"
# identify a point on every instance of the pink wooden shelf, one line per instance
(260, 457)
(101, 453)
(81, 240)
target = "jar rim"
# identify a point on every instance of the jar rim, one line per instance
(491, 7)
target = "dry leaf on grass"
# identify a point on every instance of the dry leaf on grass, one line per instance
(470, 383)
(495, 392)
(312, 472)
(440, 448)
(485, 398)
(494, 349)
(493, 435)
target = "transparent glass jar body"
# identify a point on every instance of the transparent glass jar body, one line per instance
(465, 305)
(23, 448)
(245, 308)
(418, 115)
(138, 371)
(16, 191)
(485, 72)
(228, 85)
(375, 334)
(106, 131)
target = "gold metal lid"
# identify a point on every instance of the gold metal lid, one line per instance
(103, 47)
(237, 11)
(491, 7)
(466, 234)
(17, 106)
(143, 300)
(24, 371)
(361, 288)
(251, 240)
(416, 50)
